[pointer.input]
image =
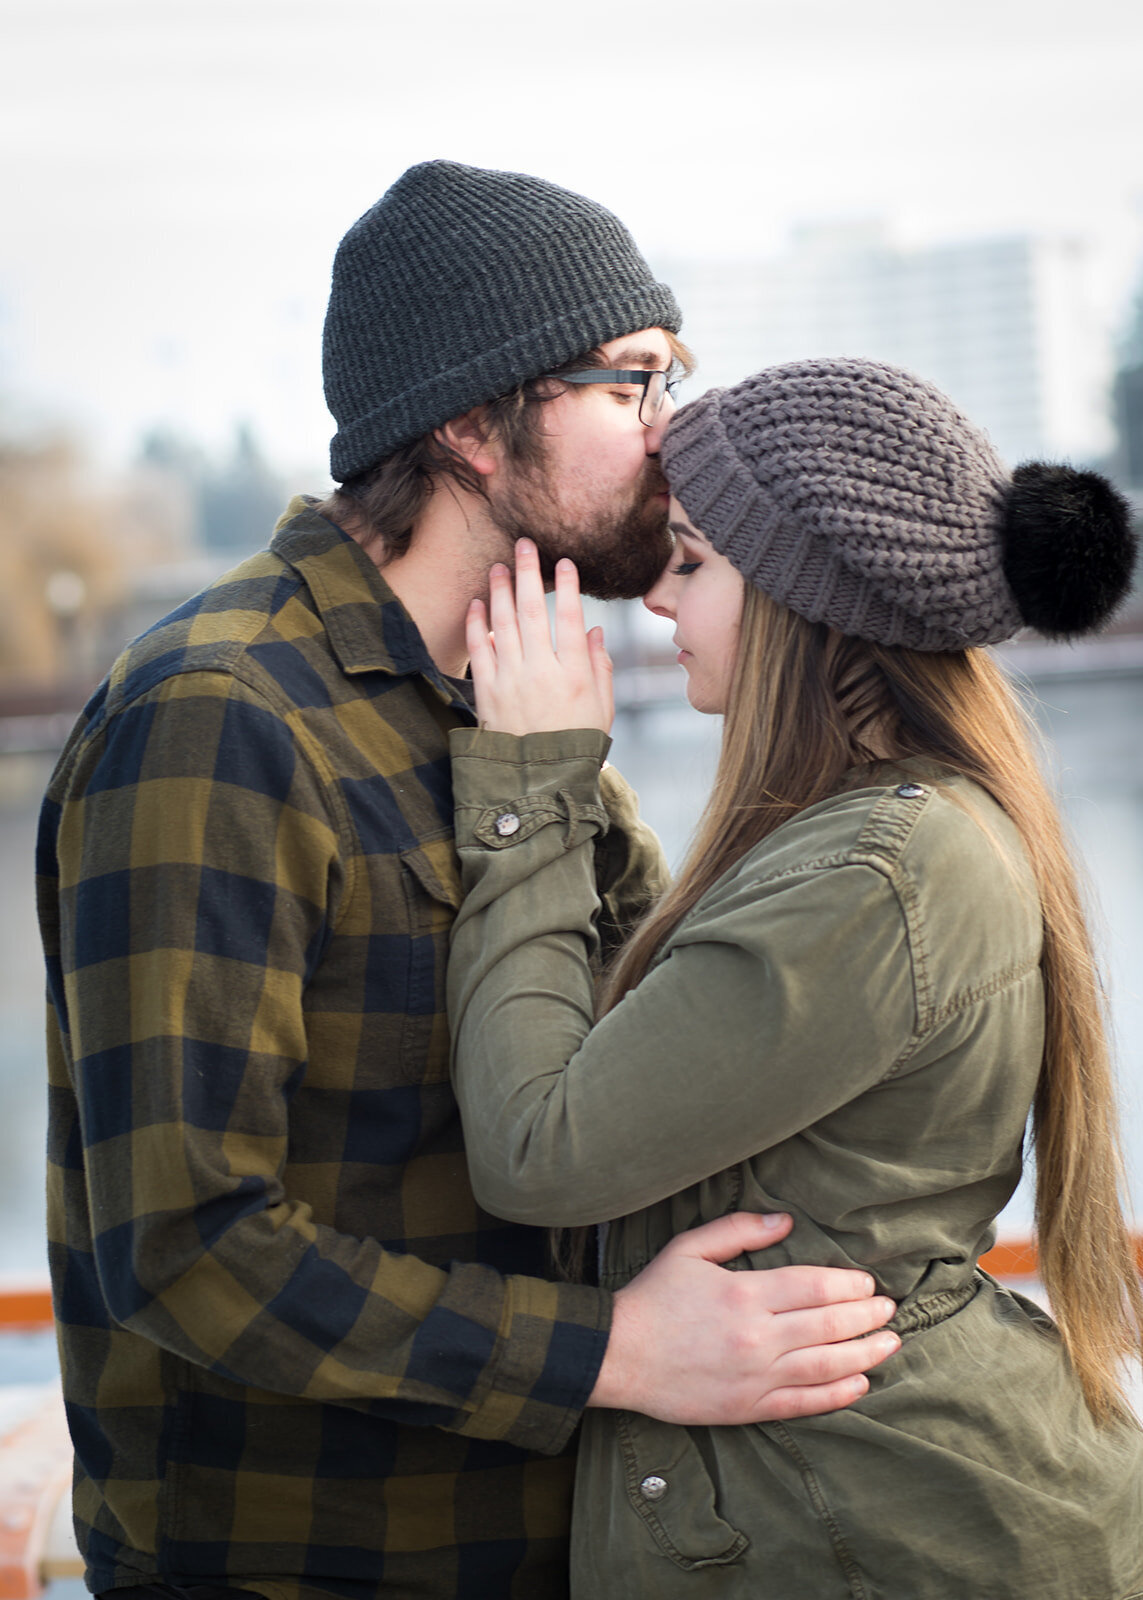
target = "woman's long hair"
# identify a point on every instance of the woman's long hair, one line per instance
(807, 705)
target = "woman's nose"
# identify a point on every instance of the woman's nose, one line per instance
(659, 598)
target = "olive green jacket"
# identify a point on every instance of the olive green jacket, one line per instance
(847, 1027)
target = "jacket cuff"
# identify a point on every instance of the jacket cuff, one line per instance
(506, 787)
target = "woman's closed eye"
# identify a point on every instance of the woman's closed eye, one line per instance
(685, 568)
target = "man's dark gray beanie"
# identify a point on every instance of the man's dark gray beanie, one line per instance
(458, 285)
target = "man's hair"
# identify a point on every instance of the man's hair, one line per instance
(387, 499)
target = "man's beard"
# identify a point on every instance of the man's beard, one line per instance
(619, 549)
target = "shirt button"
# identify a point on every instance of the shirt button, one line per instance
(653, 1487)
(507, 823)
(909, 791)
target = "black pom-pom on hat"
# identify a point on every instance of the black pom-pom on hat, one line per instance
(1068, 546)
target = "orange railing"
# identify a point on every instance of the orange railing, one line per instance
(1019, 1258)
(25, 1305)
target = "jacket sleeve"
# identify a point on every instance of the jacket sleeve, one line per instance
(199, 874)
(776, 1001)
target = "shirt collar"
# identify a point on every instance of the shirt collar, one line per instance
(369, 629)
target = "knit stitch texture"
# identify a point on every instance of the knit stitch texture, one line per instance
(461, 283)
(857, 495)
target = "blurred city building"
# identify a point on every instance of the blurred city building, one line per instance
(1126, 459)
(1007, 327)
(86, 564)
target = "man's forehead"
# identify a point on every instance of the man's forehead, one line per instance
(649, 347)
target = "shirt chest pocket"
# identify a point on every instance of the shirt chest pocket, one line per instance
(377, 1019)
(430, 882)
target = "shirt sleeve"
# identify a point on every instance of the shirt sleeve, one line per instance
(778, 999)
(199, 874)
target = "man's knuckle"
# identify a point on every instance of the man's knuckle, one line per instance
(833, 1325)
(740, 1292)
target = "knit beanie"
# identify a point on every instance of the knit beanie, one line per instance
(458, 285)
(859, 496)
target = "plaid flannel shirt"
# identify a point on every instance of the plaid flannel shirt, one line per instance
(297, 1356)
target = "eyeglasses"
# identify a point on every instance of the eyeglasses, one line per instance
(656, 386)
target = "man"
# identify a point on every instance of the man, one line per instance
(298, 1359)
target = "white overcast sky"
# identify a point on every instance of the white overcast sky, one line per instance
(175, 174)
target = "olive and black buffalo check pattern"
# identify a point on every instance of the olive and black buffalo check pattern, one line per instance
(297, 1356)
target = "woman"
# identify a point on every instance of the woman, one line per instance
(873, 967)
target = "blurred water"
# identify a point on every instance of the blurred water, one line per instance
(23, 1109)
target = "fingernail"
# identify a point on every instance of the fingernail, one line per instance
(774, 1219)
(525, 544)
(889, 1342)
(888, 1307)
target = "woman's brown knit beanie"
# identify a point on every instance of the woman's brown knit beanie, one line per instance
(859, 496)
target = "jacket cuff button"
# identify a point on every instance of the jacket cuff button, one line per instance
(507, 823)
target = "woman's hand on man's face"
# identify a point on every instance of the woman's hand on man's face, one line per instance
(522, 684)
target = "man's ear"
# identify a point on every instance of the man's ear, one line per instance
(470, 437)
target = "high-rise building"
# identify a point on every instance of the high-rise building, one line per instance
(1005, 326)
(1126, 459)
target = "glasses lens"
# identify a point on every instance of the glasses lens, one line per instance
(652, 398)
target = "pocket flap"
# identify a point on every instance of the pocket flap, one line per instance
(669, 1486)
(435, 867)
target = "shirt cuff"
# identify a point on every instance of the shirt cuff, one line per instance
(555, 1339)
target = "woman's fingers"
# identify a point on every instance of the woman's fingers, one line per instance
(481, 651)
(531, 607)
(571, 635)
(604, 674)
(523, 685)
(476, 637)
(502, 611)
(482, 663)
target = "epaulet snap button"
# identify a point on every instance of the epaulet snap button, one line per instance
(909, 791)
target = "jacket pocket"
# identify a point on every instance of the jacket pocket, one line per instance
(671, 1490)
